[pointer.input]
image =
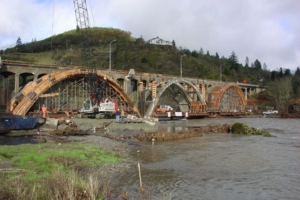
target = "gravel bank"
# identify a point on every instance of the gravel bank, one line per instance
(114, 127)
(120, 147)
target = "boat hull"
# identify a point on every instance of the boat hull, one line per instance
(22, 122)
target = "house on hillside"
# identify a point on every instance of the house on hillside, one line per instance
(159, 41)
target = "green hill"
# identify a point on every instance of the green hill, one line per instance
(129, 52)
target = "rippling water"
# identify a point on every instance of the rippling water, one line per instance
(220, 166)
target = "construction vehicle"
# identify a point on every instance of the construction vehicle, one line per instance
(164, 108)
(104, 109)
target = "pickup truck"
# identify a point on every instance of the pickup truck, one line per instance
(270, 112)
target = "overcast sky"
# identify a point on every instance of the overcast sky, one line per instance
(267, 30)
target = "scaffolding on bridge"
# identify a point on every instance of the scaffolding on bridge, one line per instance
(71, 95)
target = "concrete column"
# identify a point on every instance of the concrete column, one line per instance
(203, 91)
(153, 89)
(246, 96)
(5, 82)
(141, 100)
(186, 87)
(198, 89)
(191, 90)
(17, 88)
(127, 85)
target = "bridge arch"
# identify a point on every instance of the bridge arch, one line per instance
(227, 98)
(175, 86)
(25, 99)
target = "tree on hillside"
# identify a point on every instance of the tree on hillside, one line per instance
(280, 74)
(265, 66)
(296, 83)
(281, 91)
(297, 72)
(140, 40)
(257, 64)
(233, 61)
(287, 72)
(247, 62)
(19, 41)
(186, 52)
(207, 53)
(217, 55)
(194, 54)
(173, 44)
(274, 75)
(201, 52)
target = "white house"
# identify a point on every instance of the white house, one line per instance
(159, 41)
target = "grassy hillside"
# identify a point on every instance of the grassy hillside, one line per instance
(129, 52)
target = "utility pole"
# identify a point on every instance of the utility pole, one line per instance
(221, 72)
(181, 65)
(110, 54)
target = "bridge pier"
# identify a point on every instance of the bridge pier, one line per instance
(17, 82)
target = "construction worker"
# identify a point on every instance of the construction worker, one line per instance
(44, 110)
(118, 113)
(122, 115)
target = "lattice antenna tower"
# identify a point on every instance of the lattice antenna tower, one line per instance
(83, 26)
(95, 87)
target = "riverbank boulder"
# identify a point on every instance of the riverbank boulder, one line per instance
(244, 129)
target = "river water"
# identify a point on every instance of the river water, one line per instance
(219, 166)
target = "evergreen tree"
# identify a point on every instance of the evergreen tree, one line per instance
(297, 72)
(257, 64)
(173, 44)
(287, 72)
(247, 62)
(274, 74)
(296, 82)
(265, 66)
(207, 53)
(233, 61)
(201, 52)
(280, 74)
(194, 54)
(19, 41)
(217, 55)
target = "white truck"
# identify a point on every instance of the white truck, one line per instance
(270, 112)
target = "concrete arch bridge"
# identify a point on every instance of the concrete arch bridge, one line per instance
(189, 99)
(70, 83)
(62, 88)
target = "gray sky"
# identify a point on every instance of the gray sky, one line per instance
(267, 30)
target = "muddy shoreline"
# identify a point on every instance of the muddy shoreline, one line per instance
(117, 145)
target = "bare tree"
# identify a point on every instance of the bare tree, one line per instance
(281, 91)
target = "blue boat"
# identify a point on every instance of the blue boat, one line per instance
(18, 122)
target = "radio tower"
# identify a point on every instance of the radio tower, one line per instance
(95, 86)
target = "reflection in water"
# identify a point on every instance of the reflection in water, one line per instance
(220, 166)
(17, 140)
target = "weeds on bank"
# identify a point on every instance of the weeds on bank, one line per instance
(48, 171)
